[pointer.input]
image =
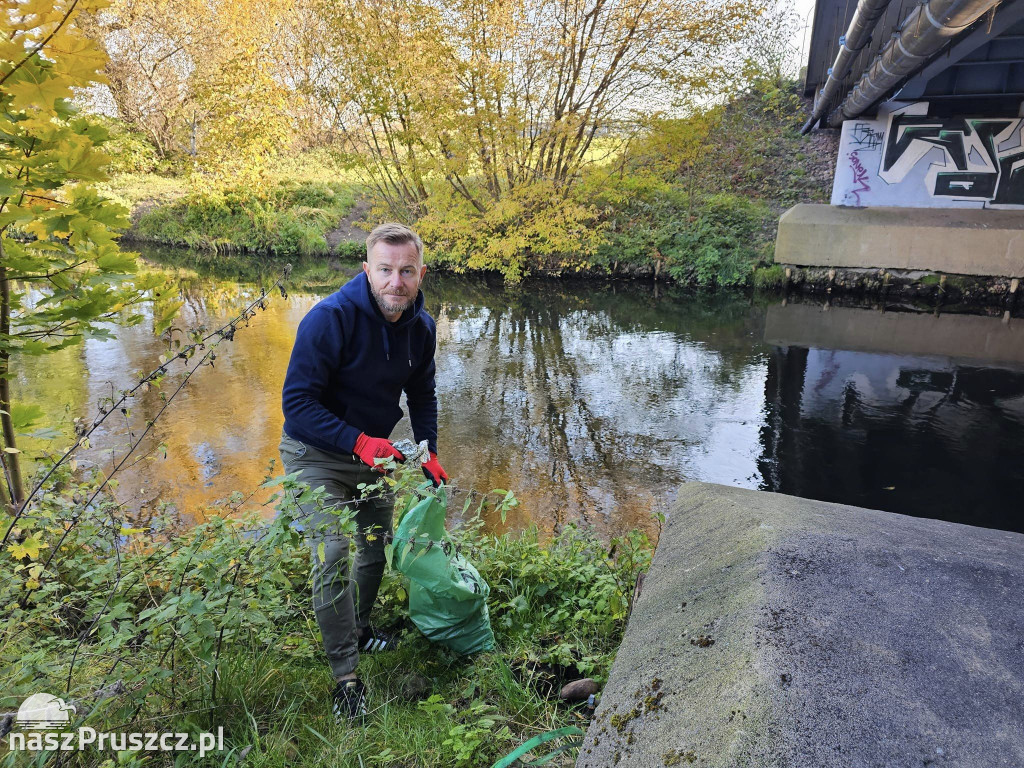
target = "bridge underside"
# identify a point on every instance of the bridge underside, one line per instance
(977, 70)
(931, 178)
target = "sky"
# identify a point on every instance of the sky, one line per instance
(802, 37)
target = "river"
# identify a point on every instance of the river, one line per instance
(594, 400)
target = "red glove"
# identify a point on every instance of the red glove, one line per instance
(370, 448)
(434, 471)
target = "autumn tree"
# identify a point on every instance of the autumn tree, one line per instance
(62, 275)
(207, 79)
(481, 118)
(152, 48)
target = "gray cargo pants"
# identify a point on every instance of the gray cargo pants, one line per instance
(340, 615)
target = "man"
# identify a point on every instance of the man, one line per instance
(354, 354)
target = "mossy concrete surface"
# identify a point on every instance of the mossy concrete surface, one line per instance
(778, 631)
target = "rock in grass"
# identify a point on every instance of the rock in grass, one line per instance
(414, 687)
(578, 690)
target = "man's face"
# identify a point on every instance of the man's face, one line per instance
(395, 273)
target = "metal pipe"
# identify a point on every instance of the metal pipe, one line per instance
(926, 31)
(858, 34)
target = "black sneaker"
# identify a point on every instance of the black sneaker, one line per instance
(372, 641)
(349, 701)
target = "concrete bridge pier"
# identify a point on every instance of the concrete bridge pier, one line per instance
(957, 241)
(929, 173)
(780, 632)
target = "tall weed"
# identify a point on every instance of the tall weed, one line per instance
(195, 627)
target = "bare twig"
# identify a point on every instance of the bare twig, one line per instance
(225, 331)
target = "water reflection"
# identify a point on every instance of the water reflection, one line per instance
(926, 434)
(594, 401)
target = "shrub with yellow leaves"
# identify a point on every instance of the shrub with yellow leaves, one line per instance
(62, 275)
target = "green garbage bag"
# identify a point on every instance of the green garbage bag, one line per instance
(447, 596)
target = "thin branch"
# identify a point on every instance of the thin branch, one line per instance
(126, 394)
(38, 48)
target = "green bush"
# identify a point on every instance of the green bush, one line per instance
(287, 220)
(720, 246)
(313, 195)
(352, 250)
(712, 241)
(212, 625)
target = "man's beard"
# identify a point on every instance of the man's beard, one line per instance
(391, 304)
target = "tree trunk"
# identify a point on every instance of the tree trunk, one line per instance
(13, 460)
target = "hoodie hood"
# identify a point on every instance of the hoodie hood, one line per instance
(357, 290)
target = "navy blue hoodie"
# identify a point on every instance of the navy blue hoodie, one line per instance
(349, 366)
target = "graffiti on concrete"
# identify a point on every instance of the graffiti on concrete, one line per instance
(908, 158)
(866, 138)
(980, 169)
(860, 175)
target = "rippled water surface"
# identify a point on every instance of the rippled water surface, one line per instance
(594, 401)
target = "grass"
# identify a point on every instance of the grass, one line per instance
(426, 706)
(315, 165)
(289, 219)
(228, 601)
(770, 278)
(133, 190)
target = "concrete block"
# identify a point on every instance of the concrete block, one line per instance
(780, 632)
(955, 241)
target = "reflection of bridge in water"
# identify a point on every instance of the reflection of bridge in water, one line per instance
(907, 400)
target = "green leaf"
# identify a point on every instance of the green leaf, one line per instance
(117, 261)
(25, 415)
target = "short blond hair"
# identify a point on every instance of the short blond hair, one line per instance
(394, 234)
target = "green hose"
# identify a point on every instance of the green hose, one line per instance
(513, 756)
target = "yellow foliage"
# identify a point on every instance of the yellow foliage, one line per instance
(49, 157)
(479, 119)
(204, 78)
(28, 548)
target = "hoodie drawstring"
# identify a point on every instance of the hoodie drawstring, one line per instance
(386, 336)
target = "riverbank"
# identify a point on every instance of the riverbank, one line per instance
(196, 628)
(324, 248)
(286, 220)
(695, 201)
